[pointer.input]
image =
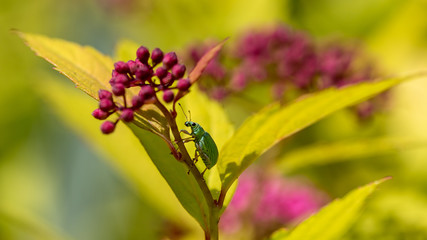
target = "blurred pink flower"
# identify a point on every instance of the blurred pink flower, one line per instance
(289, 60)
(264, 201)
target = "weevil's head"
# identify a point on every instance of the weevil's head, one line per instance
(190, 124)
(196, 129)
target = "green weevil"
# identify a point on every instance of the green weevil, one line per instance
(205, 145)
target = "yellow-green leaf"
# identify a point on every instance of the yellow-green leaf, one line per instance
(261, 131)
(136, 161)
(207, 113)
(211, 116)
(332, 221)
(184, 185)
(126, 50)
(279, 234)
(89, 69)
(122, 149)
(326, 153)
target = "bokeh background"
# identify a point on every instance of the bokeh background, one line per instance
(55, 184)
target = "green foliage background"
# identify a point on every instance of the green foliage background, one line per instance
(54, 182)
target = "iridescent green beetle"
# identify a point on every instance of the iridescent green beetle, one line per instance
(205, 145)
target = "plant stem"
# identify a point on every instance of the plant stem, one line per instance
(211, 232)
(213, 221)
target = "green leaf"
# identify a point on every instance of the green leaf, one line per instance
(332, 221)
(122, 149)
(264, 129)
(320, 154)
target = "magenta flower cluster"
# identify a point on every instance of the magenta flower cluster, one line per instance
(288, 59)
(266, 202)
(146, 74)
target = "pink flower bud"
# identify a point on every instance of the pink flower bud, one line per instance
(104, 94)
(146, 92)
(156, 56)
(99, 114)
(121, 67)
(183, 84)
(178, 71)
(142, 54)
(168, 96)
(127, 115)
(106, 104)
(108, 127)
(170, 60)
(137, 102)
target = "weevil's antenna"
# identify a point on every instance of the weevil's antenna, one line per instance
(184, 112)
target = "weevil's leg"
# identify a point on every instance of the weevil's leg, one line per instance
(189, 168)
(204, 171)
(185, 140)
(195, 159)
(185, 131)
(196, 156)
(190, 139)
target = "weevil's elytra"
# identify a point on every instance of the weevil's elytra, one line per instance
(205, 145)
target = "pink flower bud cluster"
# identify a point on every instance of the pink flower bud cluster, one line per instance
(149, 76)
